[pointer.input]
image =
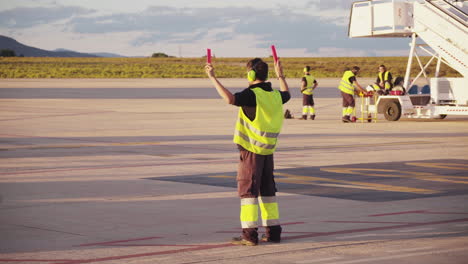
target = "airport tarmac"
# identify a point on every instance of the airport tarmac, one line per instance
(143, 171)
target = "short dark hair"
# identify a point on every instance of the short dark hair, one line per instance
(382, 66)
(307, 68)
(260, 68)
(356, 68)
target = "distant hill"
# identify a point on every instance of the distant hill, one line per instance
(107, 55)
(27, 51)
(99, 54)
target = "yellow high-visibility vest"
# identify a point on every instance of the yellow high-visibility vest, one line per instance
(310, 84)
(384, 79)
(345, 85)
(261, 135)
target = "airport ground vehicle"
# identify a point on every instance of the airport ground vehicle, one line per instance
(443, 27)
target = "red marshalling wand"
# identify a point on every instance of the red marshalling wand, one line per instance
(208, 55)
(273, 50)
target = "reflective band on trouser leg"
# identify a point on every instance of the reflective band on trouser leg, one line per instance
(305, 109)
(350, 110)
(269, 209)
(345, 110)
(311, 110)
(249, 212)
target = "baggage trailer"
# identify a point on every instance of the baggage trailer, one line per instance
(442, 26)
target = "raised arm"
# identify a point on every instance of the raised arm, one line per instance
(223, 92)
(279, 73)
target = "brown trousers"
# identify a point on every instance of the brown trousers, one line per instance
(255, 178)
(348, 100)
(255, 175)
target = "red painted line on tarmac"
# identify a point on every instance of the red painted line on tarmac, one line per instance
(34, 260)
(458, 213)
(292, 223)
(375, 229)
(233, 232)
(369, 222)
(156, 245)
(399, 213)
(197, 248)
(283, 224)
(117, 241)
(419, 212)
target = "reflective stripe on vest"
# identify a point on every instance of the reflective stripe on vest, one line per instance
(345, 85)
(260, 135)
(310, 83)
(385, 80)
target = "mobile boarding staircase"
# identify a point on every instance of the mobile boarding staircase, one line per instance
(443, 27)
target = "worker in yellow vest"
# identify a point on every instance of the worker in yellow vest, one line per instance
(308, 85)
(256, 133)
(383, 84)
(347, 87)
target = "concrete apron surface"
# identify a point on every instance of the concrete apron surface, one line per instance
(114, 177)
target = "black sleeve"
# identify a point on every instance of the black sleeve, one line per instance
(315, 81)
(352, 79)
(304, 80)
(245, 98)
(390, 77)
(285, 96)
(377, 80)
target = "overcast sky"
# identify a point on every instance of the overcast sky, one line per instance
(231, 28)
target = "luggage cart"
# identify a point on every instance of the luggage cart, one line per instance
(368, 109)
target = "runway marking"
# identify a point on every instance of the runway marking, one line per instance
(374, 259)
(373, 145)
(372, 172)
(317, 260)
(111, 199)
(368, 222)
(117, 241)
(356, 236)
(46, 116)
(283, 232)
(115, 167)
(35, 260)
(409, 249)
(311, 180)
(82, 145)
(207, 247)
(450, 166)
(174, 251)
(375, 229)
(415, 230)
(418, 212)
(399, 213)
(300, 179)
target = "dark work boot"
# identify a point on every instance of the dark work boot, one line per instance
(346, 119)
(273, 234)
(304, 117)
(312, 117)
(249, 237)
(242, 241)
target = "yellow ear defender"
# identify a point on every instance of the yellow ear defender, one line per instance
(251, 76)
(305, 70)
